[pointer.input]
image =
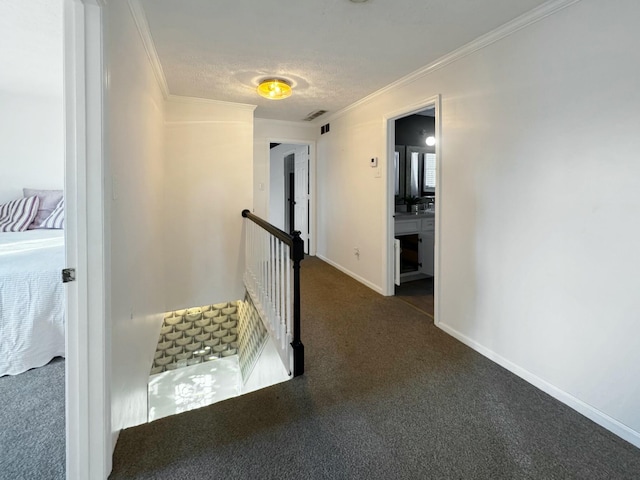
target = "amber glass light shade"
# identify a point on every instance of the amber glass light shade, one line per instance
(274, 89)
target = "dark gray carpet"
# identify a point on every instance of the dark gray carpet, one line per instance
(386, 395)
(32, 427)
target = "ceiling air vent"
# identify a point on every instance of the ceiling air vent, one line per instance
(314, 115)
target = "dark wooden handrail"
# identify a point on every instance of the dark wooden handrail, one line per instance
(296, 254)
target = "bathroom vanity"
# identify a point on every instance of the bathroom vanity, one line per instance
(415, 240)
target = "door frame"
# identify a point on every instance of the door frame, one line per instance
(89, 444)
(312, 182)
(290, 202)
(389, 128)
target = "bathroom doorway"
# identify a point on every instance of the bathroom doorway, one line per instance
(413, 206)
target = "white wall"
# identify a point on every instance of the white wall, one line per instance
(208, 165)
(351, 200)
(31, 103)
(539, 203)
(135, 186)
(179, 175)
(31, 143)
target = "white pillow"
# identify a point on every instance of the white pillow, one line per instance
(17, 215)
(56, 219)
(48, 201)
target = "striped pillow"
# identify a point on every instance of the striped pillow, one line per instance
(17, 215)
(56, 219)
(48, 201)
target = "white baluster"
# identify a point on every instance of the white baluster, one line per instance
(272, 285)
(289, 293)
(282, 297)
(275, 275)
(268, 278)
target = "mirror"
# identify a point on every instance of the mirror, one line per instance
(415, 172)
(399, 164)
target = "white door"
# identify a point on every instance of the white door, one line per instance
(396, 261)
(88, 408)
(301, 194)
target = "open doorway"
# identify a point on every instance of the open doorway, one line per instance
(289, 189)
(89, 439)
(413, 201)
(32, 241)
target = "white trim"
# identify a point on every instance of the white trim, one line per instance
(437, 270)
(364, 281)
(290, 141)
(88, 402)
(199, 122)
(578, 405)
(388, 250)
(75, 371)
(142, 25)
(509, 28)
(208, 101)
(286, 123)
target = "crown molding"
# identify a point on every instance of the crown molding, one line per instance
(140, 20)
(286, 123)
(208, 101)
(509, 28)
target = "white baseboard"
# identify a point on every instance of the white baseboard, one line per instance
(578, 405)
(372, 286)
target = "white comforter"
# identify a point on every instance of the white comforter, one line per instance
(31, 299)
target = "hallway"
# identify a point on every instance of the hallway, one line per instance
(385, 395)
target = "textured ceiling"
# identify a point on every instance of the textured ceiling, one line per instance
(334, 51)
(31, 46)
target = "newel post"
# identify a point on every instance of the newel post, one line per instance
(297, 255)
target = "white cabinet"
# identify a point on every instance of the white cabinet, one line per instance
(416, 235)
(428, 244)
(411, 225)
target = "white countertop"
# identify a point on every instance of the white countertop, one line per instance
(407, 216)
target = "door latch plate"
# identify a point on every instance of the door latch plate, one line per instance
(68, 275)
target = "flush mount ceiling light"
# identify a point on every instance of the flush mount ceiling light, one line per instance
(274, 88)
(431, 141)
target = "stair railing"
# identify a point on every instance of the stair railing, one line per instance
(272, 279)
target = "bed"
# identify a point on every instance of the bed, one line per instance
(32, 329)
